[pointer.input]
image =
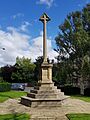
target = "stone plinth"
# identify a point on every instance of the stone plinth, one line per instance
(46, 73)
(46, 94)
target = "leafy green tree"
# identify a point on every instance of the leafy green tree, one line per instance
(73, 46)
(6, 73)
(1, 78)
(37, 72)
(24, 71)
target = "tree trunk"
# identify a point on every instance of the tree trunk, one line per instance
(81, 86)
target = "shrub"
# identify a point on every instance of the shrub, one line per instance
(1, 79)
(87, 92)
(68, 90)
(4, 86)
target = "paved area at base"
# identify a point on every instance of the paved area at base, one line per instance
(40, 113)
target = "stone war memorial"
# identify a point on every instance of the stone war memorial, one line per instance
(45, 94)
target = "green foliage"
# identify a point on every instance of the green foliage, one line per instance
(11, 94)
(78, 116)
(2, 99)
(37, 72)
(6, 73)
(59, 73)
(73, 46)
(70, 90)
(25, 63)
(24, 71)
(5, 87)
(1, 79)
(86, 66)
(15, 117)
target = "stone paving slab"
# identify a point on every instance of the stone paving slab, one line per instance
(47, 113)
(49, 118)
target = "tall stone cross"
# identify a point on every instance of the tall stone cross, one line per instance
(44, 19)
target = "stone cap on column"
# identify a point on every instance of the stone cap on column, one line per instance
(44, 15)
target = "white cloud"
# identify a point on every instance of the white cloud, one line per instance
(46, 2)
(20, 44)
(18, 15)
(87, 1)
(24, 26)
(41, 33)
(14, 43)
(81, 5)
(37, 47)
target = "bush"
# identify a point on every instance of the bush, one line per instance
(68, 90)
(1, 79)
(87, 92)
(5, 87)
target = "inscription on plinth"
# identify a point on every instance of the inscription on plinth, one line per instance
(46, 71)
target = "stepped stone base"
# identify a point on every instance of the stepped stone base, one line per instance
(41, 103)
(46, 95)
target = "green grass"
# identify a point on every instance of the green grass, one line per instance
(81, 116)
(84, 98)
(11, 94)
(15, 117)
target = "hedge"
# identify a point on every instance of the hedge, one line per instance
(70, 90)
(5, 87)
(87, 92)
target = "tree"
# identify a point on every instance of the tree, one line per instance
(37, 72)
(73, 45)
(1, 78)
(6, 73)
(24, 71)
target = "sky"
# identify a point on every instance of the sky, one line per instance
(21, 31)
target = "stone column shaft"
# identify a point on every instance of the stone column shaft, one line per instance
(44, 42)
(44, 19)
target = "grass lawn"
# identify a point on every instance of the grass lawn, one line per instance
(84, 98)
(11, 94)
(81, 116)
(15, 117)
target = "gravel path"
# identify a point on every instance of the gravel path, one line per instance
(55, 113)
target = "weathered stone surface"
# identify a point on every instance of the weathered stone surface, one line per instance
(36, 87)
(46, 94)
(50, 113)
(32, 95)
(46, 71)
(41, 102)
(34, 91)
